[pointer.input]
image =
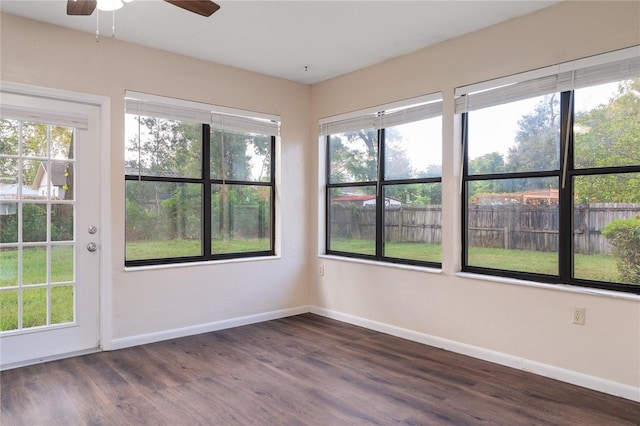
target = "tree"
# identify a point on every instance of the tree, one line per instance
(609, 135)
(537, 145)
(492, 162)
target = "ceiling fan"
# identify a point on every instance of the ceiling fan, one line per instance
(201, 7)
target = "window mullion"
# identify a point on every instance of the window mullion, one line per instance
(380, 197)
(206, 191)
(565, 226)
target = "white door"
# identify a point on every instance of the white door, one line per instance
(49, 235)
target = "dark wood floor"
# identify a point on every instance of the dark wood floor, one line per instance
(303, 370)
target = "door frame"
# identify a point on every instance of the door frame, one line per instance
(104, 178)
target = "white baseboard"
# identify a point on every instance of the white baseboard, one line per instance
(143, 339)
(546, 370)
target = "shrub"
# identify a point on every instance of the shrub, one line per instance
(624, 236)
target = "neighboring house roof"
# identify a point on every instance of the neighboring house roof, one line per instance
(9, 191)
(56, 174)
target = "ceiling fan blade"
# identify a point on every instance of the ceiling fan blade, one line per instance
(201, 7)
(81, 7)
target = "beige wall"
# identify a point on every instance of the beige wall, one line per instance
(166, 299)
(531, 323)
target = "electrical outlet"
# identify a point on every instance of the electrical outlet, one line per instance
(322, 270)
(579, 315)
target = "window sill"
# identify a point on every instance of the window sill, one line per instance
(383, 264)
(557, 287)
(204, 263)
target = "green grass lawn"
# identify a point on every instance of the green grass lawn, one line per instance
(594, 267)
(183, 248)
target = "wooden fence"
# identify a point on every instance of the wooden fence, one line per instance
(527, 227)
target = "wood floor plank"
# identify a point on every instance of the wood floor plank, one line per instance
(301, 370)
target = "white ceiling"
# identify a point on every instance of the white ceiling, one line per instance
(304, 41)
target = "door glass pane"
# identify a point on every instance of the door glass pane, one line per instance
(8, 222)
(34, 222)
(606, 230)
(9, 134)
(62, 263)
(59, 177)
(412, 221)
(352, 220)
(8, 310)
(8, 266)
(34, 265)
(512, 224)
(61, 222)
(607, 125)
(9, 174)
(30, 188)
(34, 307)
(62, 139)
(240, 218)
(522, 136)
(61, 304)
(34, 140)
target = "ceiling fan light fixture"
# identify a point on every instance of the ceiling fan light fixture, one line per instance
(109, 5)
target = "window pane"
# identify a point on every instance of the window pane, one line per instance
(412, 219)
(607, 125)
(413, 150)
(62, 266)
(62, 142)
(8, 310)
(240, 156)
(8, 267)
(62, 304)
(34, 307)
(34, 222)
(353, 156)
(161, 147)
(352, 220)
(8, 222)
(163, 220)
(240, 218)
(34, 265)
(514, 225)
(34, 140)
(61, 222)
(520, 136)
(9, 138)
(607, 228)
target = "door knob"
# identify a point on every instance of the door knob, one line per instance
(92, 247)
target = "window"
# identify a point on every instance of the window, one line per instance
(551, 179)
(383, 183)
(200, 181)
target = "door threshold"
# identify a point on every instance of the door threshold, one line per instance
(42, 360)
